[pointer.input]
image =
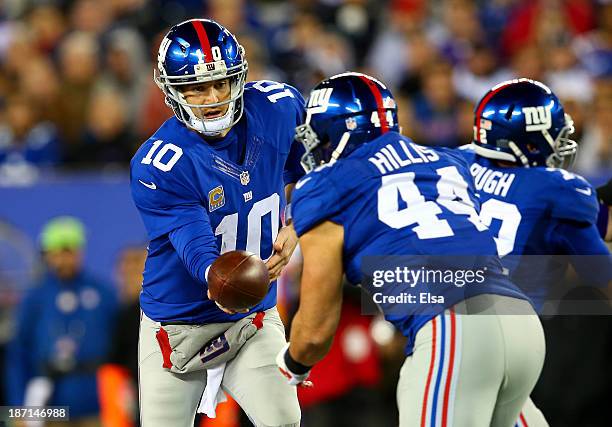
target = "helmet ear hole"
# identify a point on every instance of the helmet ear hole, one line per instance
(508, 114)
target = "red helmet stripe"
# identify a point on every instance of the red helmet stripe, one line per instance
(203, 40)
(482, 104)
(384, 125)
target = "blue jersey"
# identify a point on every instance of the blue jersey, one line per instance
(539, 211)
(199, 198)
(394, 197)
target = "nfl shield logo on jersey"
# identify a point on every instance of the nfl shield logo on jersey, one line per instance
(245, 178)
(216, 198)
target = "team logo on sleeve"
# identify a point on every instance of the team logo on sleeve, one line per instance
(216, 198)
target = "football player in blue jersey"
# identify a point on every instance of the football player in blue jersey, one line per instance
(372, 192)
(215, 177)
(531, 203)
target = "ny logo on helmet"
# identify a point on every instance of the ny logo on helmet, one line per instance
(319, 100)
(537, 118)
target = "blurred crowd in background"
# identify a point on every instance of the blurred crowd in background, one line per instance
(76, 88)
(76, 93)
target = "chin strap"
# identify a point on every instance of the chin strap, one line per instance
(212, 127)
(518, 153)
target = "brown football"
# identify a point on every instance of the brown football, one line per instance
(238, 280)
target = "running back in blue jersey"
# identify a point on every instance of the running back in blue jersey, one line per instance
(539, 211)
(394, 197)
(221, 194)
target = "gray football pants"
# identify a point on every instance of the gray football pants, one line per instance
(251, 378)
(473, 370)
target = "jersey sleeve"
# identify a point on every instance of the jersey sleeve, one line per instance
(327, 193)
(165, 200)
(588, 253)
(286, 105)
(315, 200)
(293, 168)
(468, 152)
(572, 197)
(196, 245)
(169, 205)
(282, 95)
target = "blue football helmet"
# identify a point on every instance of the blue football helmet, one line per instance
(523, 122)
(196, 51)
(343, 112)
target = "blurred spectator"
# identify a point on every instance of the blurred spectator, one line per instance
(595, 152)
(594, 49)
(127, 69)
(459, 31)
(48, 25)
(565, 76)
(130, 265)
(26, 144)
(480, 72)
(140, 15)
(527, 62)
(42, 86)
(91, 16)
(405, 114)
(389, 55)
(62, 331)
(465, 116)
(422, 54)
(119, 378)
(107, 137)
(545, 22)
(260, 66)
(79, 67)
(310, 52)
(231, 12)
(154, 110)
(19, 40)
(435, 109)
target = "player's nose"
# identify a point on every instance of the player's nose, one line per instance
(210, 96)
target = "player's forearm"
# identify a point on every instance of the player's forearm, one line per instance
(310, 342)
(589, 255)
(196, 248)
(317, 318)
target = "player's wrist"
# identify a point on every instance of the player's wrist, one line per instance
(288, 214)
(295, 372)
(294, 366)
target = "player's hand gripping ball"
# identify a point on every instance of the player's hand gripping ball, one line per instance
(238, 280)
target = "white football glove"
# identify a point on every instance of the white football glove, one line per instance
(292, 377)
